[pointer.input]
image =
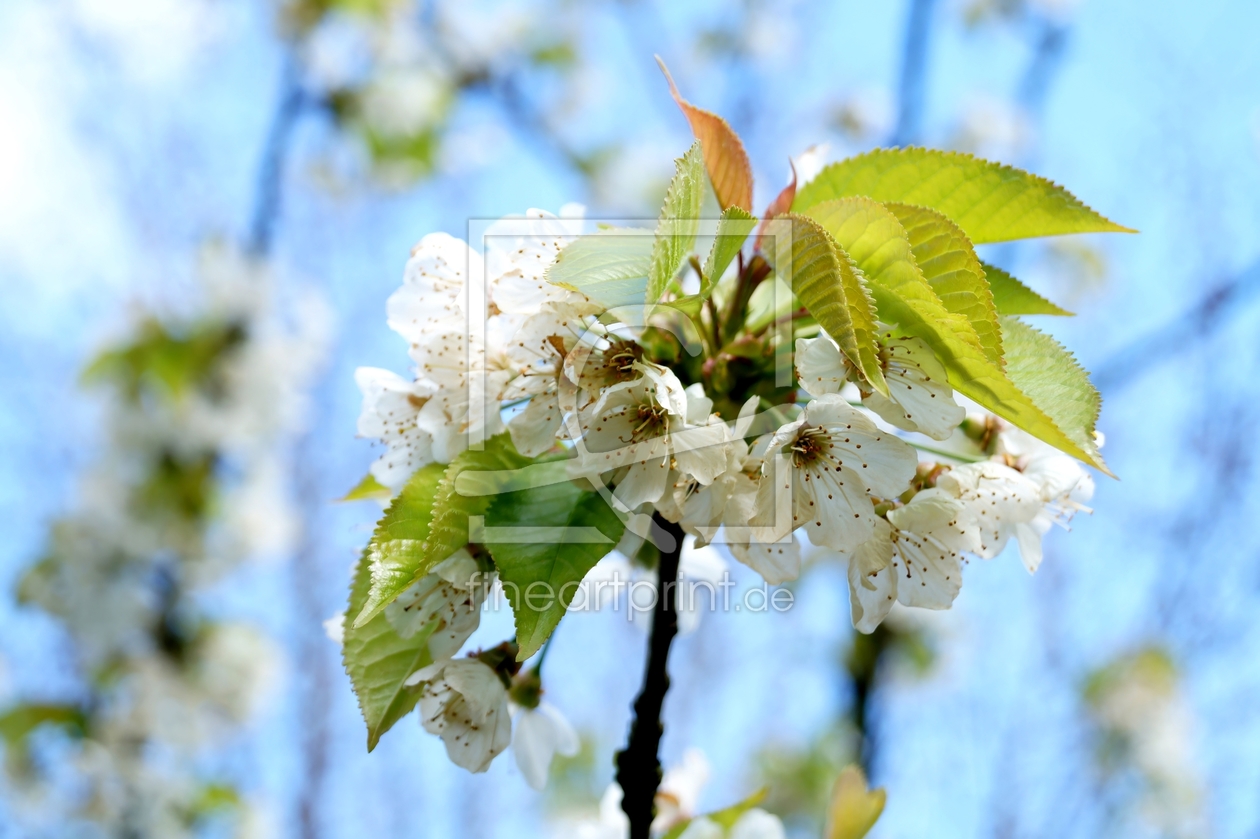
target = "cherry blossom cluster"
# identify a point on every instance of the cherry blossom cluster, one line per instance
(499, 349)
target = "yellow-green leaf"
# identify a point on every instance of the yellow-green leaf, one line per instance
(367, 489)
(732, 230)
(1055, 382)
(992, 202)
(1011, 297)
(949, 263)
(378, 660)
(875, 239)
(825, 280)
(679, 222)
(854, 808)
(19, 721)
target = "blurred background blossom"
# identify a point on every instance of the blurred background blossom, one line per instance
(236, 184)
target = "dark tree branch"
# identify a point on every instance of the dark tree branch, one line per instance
(910, 88)
(638, 764)
(271, 169)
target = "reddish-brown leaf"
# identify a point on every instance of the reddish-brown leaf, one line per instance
(724, 155)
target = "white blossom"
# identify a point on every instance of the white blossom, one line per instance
(539, 734)
(678, 797)
(465, 702)
(1001, 500)
(920, 398)
(434, 296)
(452, 594)
(391, 410)
(914, 556)
(832, 460)
(643, 425)
(517, 265)
(539, 350)
(1063, 483)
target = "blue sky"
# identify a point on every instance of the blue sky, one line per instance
(133, 132)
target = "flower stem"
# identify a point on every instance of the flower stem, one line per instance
(965, 458)
(638, 764)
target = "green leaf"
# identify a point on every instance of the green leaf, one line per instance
(732, 230)
(949, 263)
(167, 362)
(1011, 297)
(827, 283)
(451, 508)
(557, 534)
(378, 660)
(367, 489)
(396, 550)
(992, 202)
(214, 799)
(689, 305)
(679, 222)
(18, 722)
(610, 267)
(875, 239)
(1055, 382)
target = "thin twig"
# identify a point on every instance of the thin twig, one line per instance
(910, 89)
(312, 649)
(638, 764)
(1047, 56)
(269, 185)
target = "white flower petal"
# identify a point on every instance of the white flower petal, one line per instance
(701, 451)
(757, 824)
(541, 733)
(872, 580)
(820, 366)
(468, 708)
(777, 562)
(534, 429)
(921, 398)
(997, 497)
(833, 507)
(884, 462)
(644, 483)
(702, 828)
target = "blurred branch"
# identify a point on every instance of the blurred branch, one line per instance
(863, 666)
(530, 121)
(270, 179)
(1158, 345)
(1046, 59)
(503, 89)
(910, 88)
(313, 647)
